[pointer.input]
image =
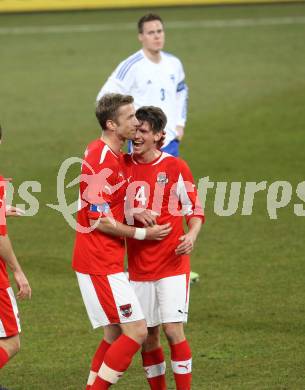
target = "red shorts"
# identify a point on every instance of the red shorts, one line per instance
(9, 316)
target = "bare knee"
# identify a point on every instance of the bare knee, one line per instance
(14, 345)
(142, 332)
(153, 339)
(11, 345)
(111, 333)
(174, 332)
(136, 330)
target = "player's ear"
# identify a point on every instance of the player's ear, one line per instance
(158, 137)
(111, 125)
(140, 37)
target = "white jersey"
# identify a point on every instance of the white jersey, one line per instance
(161, 85)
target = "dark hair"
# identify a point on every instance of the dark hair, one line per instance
(108, 106)
(147, 18)
(155, 117)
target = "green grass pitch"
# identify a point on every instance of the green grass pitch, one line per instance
(246, 123)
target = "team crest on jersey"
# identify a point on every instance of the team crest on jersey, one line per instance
(162, 178)
(126, 310)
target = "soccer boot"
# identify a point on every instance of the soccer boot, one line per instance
(194, 277)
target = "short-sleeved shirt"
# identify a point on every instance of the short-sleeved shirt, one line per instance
(153, 84)
(102, 191)
(165, 186)
(4, 281)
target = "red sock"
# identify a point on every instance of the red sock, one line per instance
(117, 359)
(154, 366)
(181, 357)
(4, 358)
(100, 384)
(96, 363)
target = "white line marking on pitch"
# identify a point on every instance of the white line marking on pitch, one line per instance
(88, 28)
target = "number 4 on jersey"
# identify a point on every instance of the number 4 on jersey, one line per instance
(140, 196)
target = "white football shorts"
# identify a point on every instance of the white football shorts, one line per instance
(164, 300)
(109, 299)
(9, 316)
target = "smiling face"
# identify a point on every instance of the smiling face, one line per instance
(152, 36)
(145, 142)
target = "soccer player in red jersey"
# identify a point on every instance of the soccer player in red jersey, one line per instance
(9, 317)
(99, 246)
(159, 271)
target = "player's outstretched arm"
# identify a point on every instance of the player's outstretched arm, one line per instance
(112, 227)
(8, 255)
(188, 240)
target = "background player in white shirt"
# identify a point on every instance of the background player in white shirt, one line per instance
(154, 77)
(159, 272)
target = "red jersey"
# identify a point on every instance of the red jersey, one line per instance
(4, 281)
(102, 191)
(165, 186)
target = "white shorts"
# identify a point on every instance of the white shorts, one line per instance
(9, 316)
(164, 300)
(109, 299)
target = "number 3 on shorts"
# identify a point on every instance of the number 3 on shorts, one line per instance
(162, 93)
